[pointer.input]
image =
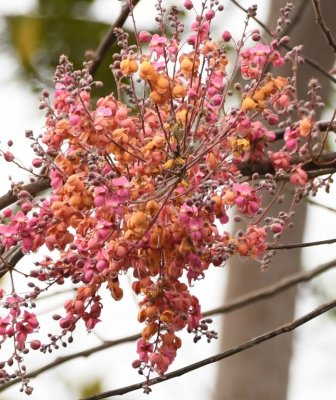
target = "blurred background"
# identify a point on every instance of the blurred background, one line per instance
(33, 34)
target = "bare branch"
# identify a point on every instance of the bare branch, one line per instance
(271, 290)
(233, 305)
(221, 356)
(110, 38)
(301, 245)
(308, 60)
(321, 23)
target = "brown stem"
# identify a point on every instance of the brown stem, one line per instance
(300, 245)
(320, 21)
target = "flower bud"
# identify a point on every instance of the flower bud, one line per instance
(37, 162)
(210, 15)
(35, 344)
(226, 36)
(8, 156)
(188, 4)
(145, 37)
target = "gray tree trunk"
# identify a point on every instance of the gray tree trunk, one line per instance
(261, 373)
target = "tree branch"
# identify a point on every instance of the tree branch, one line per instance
(308, 60)
(324, 165)
(233, 305)
(271, 290)
(320, 21)
(110, 38)
(32, 188)
(221, 356)
(301, 245)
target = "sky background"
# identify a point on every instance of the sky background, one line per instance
(313, 368)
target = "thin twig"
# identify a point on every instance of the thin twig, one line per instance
(221, 356)
(320, 21)
(308, 60)
(301, 245)
(10, 259)
(110, 38)
(232, 305)
(299, 12)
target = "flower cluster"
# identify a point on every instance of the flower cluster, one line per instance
(145, 182)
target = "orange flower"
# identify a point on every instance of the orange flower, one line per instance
(128, 66)
(305, 127)
(138, 222)
(248, 104)
(149, 331)
(179, 91)
(167, 317)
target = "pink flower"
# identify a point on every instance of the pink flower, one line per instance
(8, 234)
(19, 220)
(256, 238)
(4, 322)
(201, 29)
(298, 177)
(157, 44)
(280, 160)
(246, 199)
(159, 362)
(143, 349)
(103, 112)
(27, 325)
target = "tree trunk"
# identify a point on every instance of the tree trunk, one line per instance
(261, 373)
